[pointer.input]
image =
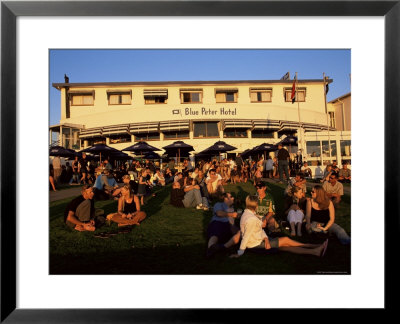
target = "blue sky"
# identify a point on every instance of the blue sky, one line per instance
(195, 65)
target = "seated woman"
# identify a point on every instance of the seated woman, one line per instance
(327, 173)
(129, 212)
(169, 177)
(254, 237)
(320, 215)
(295, 206)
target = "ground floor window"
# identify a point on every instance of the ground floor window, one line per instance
(205, 129)
(176, 134)
(147, 137)
(121, 138)
(235, 133)
(325, 149)
(345, 147)
(313, 149)
(96, 140)
(260, 133)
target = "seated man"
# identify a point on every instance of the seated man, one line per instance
(298, 181)
(80, 213)
(305, 169)
(187, 197)
(105, 185)
(214, 183)
(334, 189)
(345, 174)
(221, 233)
(266, 208)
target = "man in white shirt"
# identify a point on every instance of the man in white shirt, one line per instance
(334, 189)
(214, 183)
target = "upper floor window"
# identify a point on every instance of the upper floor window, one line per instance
(260, 94)
(154, 136)
(300, 94)
(332, 119)
(191, 95)
(226, 95)
(155, 96)
(81, 98)
(117, 97)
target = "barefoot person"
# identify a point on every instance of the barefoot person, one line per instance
(129, 212)
(254, 237)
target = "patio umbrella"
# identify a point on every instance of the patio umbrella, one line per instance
(101, 149)
(218, 147)
(265, 148)
(178, 147)
(61, 152)
(289, 140)
(141, 147)
(152, 156)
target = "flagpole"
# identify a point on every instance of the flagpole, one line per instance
(327, 118)
(298, 113)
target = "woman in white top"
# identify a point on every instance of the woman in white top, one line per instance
(253, 235)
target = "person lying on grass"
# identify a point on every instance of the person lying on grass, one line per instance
(254, 237)
(129, 212)
(80, 213)
(221, 232)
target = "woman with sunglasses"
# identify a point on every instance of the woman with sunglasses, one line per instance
(320, 215)
(254, 237)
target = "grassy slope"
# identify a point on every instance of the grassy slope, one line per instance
(173, 241)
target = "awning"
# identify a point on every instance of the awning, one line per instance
(119, 91)
(237, 123)
(266, 124)
(191, 90)
(116, 129)
(91, 132)
(260, 89)
(138, 128)
(174, 125)
(226, 90)
(155, 93)
(82, 92)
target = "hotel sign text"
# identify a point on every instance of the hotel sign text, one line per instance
(205, 112)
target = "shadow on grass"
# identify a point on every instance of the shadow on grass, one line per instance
(190, 259)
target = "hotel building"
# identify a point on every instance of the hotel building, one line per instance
(241, 113)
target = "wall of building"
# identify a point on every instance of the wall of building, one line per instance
(102, 114)
(342, 110)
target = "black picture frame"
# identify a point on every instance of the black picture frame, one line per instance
(10, 10)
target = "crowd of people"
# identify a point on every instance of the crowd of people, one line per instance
(202, 186)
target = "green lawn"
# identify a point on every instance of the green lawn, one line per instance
(173, 241)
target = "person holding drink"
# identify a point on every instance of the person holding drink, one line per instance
(254, 237)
